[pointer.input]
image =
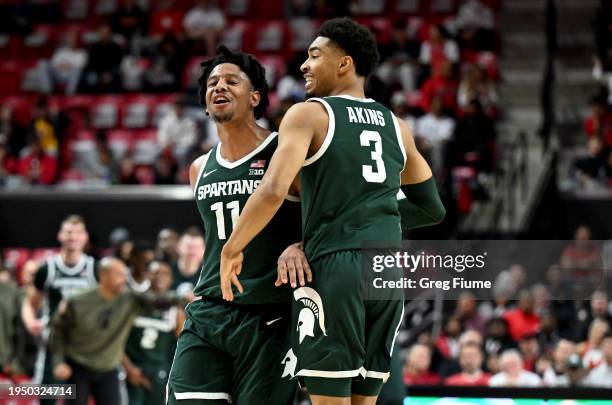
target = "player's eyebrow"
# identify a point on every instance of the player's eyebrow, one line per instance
(227, 75)
(314, 48)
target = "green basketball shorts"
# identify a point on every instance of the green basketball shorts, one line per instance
(341, 343)
(227, 354)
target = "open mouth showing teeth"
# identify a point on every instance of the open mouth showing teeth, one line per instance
(221, 101)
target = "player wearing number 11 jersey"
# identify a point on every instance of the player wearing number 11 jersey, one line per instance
(353, 156)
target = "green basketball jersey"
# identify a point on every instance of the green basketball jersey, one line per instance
(221, 192)
(152, 340)
(59, 280)
(350, 185)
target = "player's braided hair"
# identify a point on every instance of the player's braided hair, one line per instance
(356, 40)
(248, 64)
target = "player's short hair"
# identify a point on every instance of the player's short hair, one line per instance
(73, 219)
(356, 40)
(248, 64)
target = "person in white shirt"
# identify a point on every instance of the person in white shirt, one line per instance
(433, 130)
(204, 22)
(601, 376)
(67, 63)
(178, 131)
(512, 372)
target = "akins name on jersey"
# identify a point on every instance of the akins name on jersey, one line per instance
(227, 188)
(361, 115)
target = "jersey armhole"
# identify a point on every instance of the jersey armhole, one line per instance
(292, 198)
(330, 132)
(398, 133)
(205, 160)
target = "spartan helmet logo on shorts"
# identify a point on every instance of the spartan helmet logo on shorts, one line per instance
(290, 362)
(313, 309)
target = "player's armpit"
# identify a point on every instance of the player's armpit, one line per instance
(416, 169)
(194, 170)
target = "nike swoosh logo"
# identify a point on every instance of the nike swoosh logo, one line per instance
(273, 320)
(208, 173)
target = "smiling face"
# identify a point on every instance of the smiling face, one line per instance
(321, 68)
(229, 94)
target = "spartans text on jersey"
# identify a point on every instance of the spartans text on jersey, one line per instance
(223, 188)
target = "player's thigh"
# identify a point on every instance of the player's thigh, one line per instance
(200, 374)
(261, 343)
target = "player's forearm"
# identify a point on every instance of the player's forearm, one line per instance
(257, 213)
(422, 205)
(28, 314)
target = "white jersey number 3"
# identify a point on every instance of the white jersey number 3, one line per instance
(371, 174)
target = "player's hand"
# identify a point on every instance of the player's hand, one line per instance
(231, 266)
(293, 267)
(35, 327)
(62, 371)
(136, 377)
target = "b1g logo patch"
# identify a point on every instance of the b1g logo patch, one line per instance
(257, 167)
(256, 172)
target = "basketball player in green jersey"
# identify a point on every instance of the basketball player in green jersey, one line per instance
(150, 346)
(352, 156)
(232, 352)
(59, 277)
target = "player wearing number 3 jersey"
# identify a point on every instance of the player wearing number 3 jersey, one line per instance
(352, 156)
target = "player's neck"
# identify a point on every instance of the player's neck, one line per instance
(70, 257)
(239, 138)
(353, 88)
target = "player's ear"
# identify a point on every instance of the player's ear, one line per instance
(255, 98)
(346, 63)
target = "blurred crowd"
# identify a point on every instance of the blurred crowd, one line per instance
(594, 168)
(109, 95)
(548, 334)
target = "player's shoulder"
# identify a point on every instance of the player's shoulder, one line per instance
(197, 166)
(307, 110)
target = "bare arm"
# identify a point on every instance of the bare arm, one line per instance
(416, 169)
(295, 137)
(31, 304)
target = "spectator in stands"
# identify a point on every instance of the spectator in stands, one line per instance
(592, 167)
(397, 58)
(530, 351)
(511, 281)
(121, 244)
(549, 331)
(558, 366)
(473, 140)
(597, 309)
(599, 122)
(43, 127)
(10, 304)
(438, 49)
(129, 20)
(35, 166)
(475, 23)
(186, 269)
(601, 376)
(416, 368)
(299, 8)
(127, 172)
(166, 19)
(433, 131)
(447, 343)
(104, 59)
(167, 65)
(467, 311)
(165, 169)
(574, 375)
(541, 298)
(90, 331)
(602, 27)
(497, 338)
(166, 248)
(67, 64)
(512, 372)
(470, 360)
(291, 86)
(442, 84)
(204, 23)
(12, 135)
(522, 320)
(178, 132)
(399, 106)
(450, 365)
(475, 85)
(590, 350)
(582, 257)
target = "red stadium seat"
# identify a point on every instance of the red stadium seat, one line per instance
(236, 8)
(14, 258)
(41, 254)
(266, 10)
(40, 43)
(11, 72)
(137, 112)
